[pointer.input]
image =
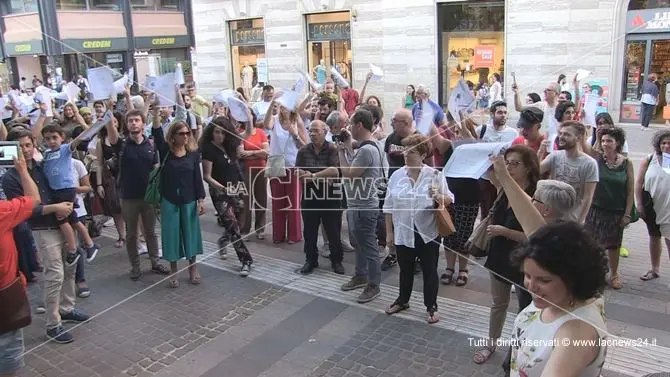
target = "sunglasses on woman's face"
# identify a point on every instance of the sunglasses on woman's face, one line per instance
(185, 133)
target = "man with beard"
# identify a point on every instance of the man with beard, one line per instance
(570, 165)
(192, 119)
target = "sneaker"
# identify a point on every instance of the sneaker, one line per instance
(74, 316)
(91, 252)
(244, 271)
(142, 248)
(347, 248)
(223, 253)
(513, 288)
(356, 282)
(40, 309)
(71, 259)
(370, 293)
(83, 292)
(338, 268)
(59, 335)
(389, 262)
(135, 273)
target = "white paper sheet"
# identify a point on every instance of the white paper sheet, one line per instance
(377, 73)
(472, 160)
(120, 85)
(460, 100)
(179, 74)
(288, 99)
(666, 160)
(314, 84)
(25, 104)
(96, 127)
(582, 74)
(590, 108)
(72, 91)
(300, 85)
(426, 116)
(61, 96)
(223, 96)
(101, 83)
(238, 109)
(552, 142)
(131, 76)
(339, 80)
(164, 88)
(43, 95)
(262, 70)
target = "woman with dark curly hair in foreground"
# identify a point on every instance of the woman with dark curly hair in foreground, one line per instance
(562, 331)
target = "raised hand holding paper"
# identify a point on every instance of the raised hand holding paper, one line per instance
(72, 91)
(582, 74)
(163, 87)
(472, 160)
(101, 82)
(339, 80)
(120, 85)
(223, 96)
(460, 100)
(311, 82)
(179, 74)
(238, 109)
(426, 117)
(300, 85)
(377, 73)
(97, 126)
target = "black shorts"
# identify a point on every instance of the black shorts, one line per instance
(650, 215)
(68, 195)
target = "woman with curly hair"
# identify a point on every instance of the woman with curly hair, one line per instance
(182, 197)
(222, 172)
(652, 189)
(613, 198)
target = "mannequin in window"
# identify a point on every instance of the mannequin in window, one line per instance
(247, 79)
(321, 72)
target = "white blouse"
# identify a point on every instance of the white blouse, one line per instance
(281, 142)
(410, 205)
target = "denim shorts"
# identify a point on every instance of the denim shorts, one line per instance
(11, 351)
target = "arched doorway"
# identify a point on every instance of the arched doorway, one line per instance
(646, 50)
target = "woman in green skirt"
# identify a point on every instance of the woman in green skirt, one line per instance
(182, 197)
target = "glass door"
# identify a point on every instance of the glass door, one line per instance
(634, 69)
(660, 65)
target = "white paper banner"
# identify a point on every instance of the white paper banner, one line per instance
(460, 100)
(71, 91)
(590, 108)
(288, 99)
(238, 109)
(339, 80)
(426, 117)
(377, 73)
(582, 74)
(120, 85)
(101, 82)
(179, 74)
(315, 86)
(262, 70)
(472, 160)
(300, 85)
(223, 96)
(164, 88)
(43, 95)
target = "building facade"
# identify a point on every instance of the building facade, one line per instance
(57, 40)
(240, 43)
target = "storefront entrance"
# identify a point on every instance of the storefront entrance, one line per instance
(247, 39)
(329, 45)
(647, 51)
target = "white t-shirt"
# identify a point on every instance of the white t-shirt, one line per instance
(549, 118)
(79, 172)
(492, 135)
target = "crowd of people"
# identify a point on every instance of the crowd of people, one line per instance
(553, 212)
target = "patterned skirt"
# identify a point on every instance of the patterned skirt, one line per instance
(463, 216)
(605, 226)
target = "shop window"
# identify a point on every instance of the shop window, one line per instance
(471, 43)
(155, 5)
(71, 4)
(648, 4)
(105, 5)
(329, 45)
(247, 39)
(20, 6)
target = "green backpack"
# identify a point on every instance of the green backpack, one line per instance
(153, 193)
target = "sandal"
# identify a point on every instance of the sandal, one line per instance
(195, 280)
(462, 278)
(174, 283)
(482, 355)
(447, 277)
(120, 243)
(433, 317)
(615, 282)
(396, 308)
(650, 275)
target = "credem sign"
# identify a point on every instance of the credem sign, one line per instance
(24, 48)
(94, 45)
(148, 43)
(97, 44)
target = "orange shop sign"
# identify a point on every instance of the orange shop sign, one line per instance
(484, 56)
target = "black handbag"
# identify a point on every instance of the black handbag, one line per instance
(15, 309)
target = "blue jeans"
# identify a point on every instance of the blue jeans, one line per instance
(362, 225)
(11, 352)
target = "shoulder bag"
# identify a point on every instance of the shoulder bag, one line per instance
(478, 243)
(153, 193)
(15, 309)
(445, 225)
